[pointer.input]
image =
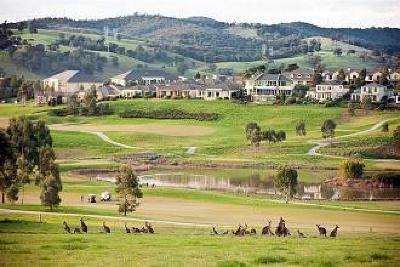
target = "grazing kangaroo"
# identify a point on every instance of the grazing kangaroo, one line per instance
(106, 229)
(127, 230)
(135, 230)
(321, 230)
(149, 228)
(239, 231)
(66, 228)
(214, 231)
(267, 229)
(83, 225)
(253, 231)
(77, 230)
(300, 234)
(334, 231)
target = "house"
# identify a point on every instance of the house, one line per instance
(330, 76)
(142, 76)
(138, 91)
(220, 91)
(328, 90)
(175, 90)
(375, 91)
(301, 76)
(351, 76)
(394, 78)
(107, 92)
(71, 81)
(43, 98)
(265, 87)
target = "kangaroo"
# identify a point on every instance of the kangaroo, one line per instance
(300, 234)
(149, 228)
(135, 230)
(321, 230)
(267, 229)
(83, 226)
(67, 229)
(106, 229)
(334, 231)
(127, 230)
(214, 231)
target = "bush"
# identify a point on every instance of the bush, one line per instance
(169, 114)
(351, 169)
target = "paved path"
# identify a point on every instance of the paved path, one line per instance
(320, 144)
(107, 139)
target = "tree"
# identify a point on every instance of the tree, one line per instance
(7, 166)
(366, 103)
(351, 109)
(385, 127)
(338, 52)
(301, 128)
(286, 182)
(23, 171)
(197, 76)
(341, 75)
(396, 134)
(42, 134)
(48, 178)
(253, 133)
(128, 189)
(328, 129)
(351, 169)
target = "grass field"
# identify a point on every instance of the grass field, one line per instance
(25, 241)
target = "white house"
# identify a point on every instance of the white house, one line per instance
(301, 76)
(137, 91)
(71, 81)
(265, 87)
(143, 76)
(375, 91)
(220, 91)
(328, 90)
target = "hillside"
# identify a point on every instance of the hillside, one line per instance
(185, 46)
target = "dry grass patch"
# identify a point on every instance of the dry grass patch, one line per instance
(169, 130)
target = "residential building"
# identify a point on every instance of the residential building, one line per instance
(70, 81)
(351, 76)
(265, 87)
(220, 91)
(375, 91)
(301, 76)
(143, 76)
(138, 91)
(328, 90)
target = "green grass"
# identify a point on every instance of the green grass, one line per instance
(25, 241)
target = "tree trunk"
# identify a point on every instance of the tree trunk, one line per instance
(23, 193)
(3, 200)
(125, 207)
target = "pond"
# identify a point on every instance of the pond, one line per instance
(255, 182)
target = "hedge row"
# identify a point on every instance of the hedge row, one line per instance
(169, 114)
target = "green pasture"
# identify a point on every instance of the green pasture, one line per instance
(25, 241)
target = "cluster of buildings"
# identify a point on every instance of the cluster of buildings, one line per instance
(266, 87)
(261, 87)
(136, 83)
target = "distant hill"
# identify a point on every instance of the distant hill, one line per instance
(206, 39)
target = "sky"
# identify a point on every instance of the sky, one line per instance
(325, 13)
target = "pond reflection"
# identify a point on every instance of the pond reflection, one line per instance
(255, 183)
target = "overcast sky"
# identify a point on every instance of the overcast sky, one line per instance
(327, 13)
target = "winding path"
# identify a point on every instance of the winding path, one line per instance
(320, 144)
(107, 139)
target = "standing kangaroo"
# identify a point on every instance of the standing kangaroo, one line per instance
(334, 231)
(267, 229)
(300, 234)
(127, 230)
(67, 229)
(321, 230)
(106, 229)
(83, 225)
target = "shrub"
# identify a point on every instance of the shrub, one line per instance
(351, 169)
(169, 114)
(270, 259)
